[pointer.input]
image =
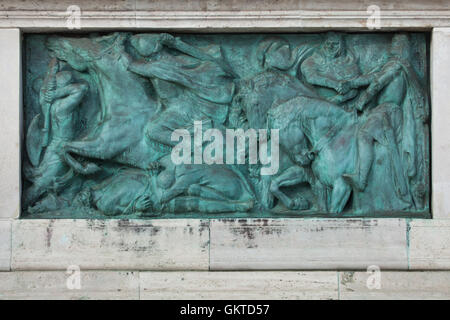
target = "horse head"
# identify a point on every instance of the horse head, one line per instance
(81, 52)
(287, 118)
(265, 91)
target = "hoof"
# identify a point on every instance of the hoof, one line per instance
(299, 204)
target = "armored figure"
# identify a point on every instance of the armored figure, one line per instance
(329, 68)
(190, 83)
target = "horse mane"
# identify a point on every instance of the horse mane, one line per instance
(300, 109)
(263, 81)
(110, 41)
(281, 116)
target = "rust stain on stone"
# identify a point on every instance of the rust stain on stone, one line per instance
(49, 233)
(96, 224)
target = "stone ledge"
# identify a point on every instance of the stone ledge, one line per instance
(259, 285)
(429, 244)
(238, 285)
(5, 245)
(226, 21)
(296, 244)
(110, 244)
(244, 244)
(395, 285)
(104, 285)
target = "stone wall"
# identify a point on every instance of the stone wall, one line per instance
(270, 258)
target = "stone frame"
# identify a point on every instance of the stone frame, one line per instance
(227, 244)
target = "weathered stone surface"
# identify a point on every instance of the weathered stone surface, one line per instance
(238, 285)
(223, 285)
(440, 63)
(59, 285)
(226, 16)
(307, 244)
(10, 122)
(5, 245)
(114, 244)
(395, 285)
(429, 244)
(220, 5)
(52, 5)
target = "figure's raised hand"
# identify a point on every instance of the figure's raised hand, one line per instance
(343, 87)
(144, 203)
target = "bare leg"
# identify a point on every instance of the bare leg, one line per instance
(358, 179)
(180, 186)
(339, 196)
(89, 168)
(205, 192)
(321, 193)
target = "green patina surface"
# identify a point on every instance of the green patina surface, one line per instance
(347, 120)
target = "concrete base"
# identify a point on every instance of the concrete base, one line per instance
(225, 245)
(224, 285)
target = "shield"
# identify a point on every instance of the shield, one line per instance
(34, 141)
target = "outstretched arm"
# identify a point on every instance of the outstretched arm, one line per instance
(312, 77)
(176, 43)
(368, 78)
(146, 69)
(378, 81)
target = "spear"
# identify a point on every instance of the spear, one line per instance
(46, 98)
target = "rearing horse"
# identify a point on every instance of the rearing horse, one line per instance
(125, 105)
(332, 132)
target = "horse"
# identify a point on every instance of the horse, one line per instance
(333, 132)
(258, 95)
(125, 103)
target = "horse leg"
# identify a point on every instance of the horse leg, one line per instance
(359, 178)
(83, 148)
(339, 195)
(321, 193)
(180, 186)
(290, 177)
(91, 149)
(115, 136)
(86, 169)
